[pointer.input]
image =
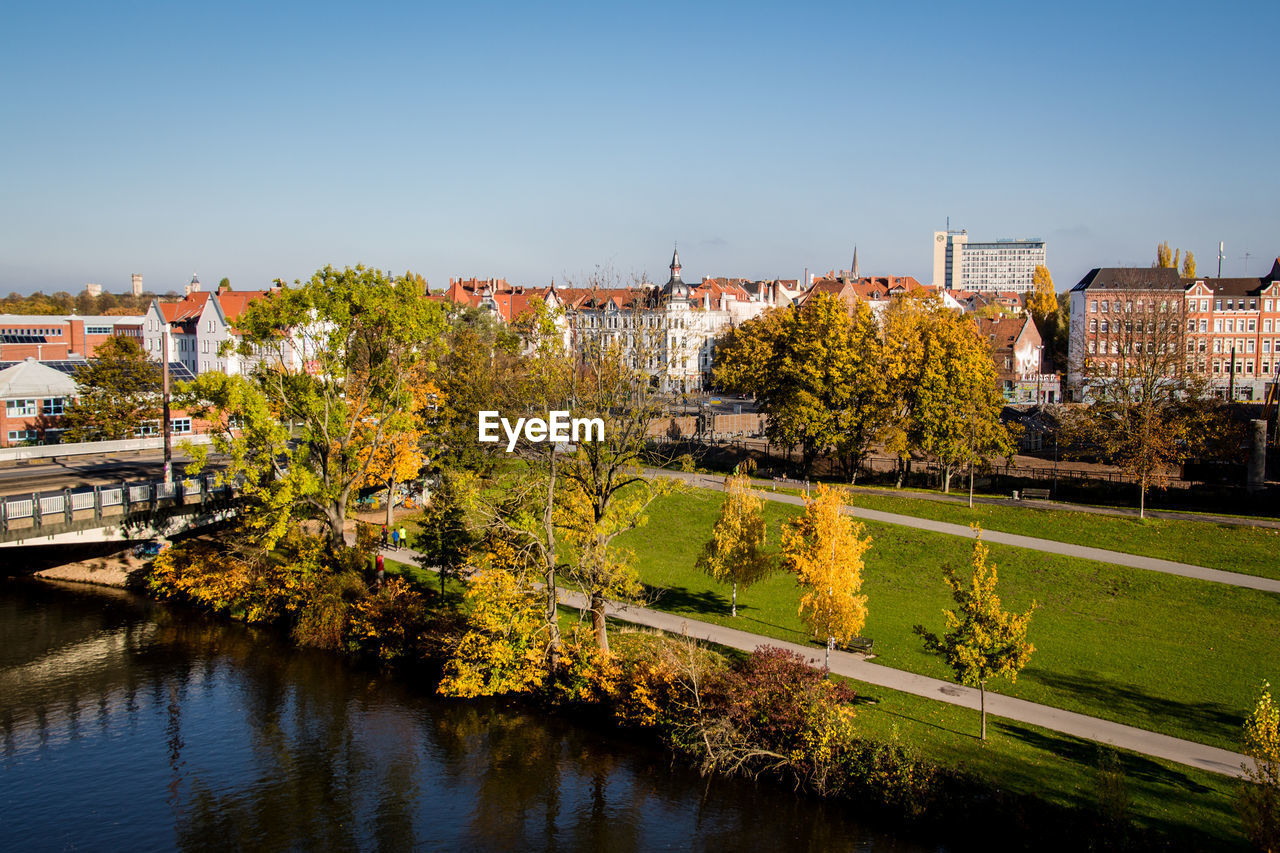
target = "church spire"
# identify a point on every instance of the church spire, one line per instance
(854, 268)
(675, 263)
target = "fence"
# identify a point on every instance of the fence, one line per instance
(64, 505)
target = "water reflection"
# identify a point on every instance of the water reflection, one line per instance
(126, 725)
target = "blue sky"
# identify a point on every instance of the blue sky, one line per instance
(533, 141)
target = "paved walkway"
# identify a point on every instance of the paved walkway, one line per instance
(855, 666)
(1119, 558)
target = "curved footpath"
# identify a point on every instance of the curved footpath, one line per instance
(1101, 555)
(852, 665)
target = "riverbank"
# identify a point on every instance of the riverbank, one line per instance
(121, 569)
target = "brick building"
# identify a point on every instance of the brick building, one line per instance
(49, 337)
(1225, 331)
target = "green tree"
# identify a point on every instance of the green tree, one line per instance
(982, 640)
(824, 548)
(446, 541)
(1260, 791)
(335, 358)
(735, 552)
(117, 392)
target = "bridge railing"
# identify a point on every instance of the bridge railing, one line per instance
(42, 508)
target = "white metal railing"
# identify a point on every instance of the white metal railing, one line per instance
(66, 504)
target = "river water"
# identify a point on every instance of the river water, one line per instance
(127, 725)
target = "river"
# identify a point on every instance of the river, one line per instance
(128, 725)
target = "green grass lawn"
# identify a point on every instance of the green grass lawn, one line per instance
(1193, 806)
(1161, 652)
(1233, 548)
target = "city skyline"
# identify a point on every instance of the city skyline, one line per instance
(534, 144)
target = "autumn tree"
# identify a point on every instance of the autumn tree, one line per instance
(118, 391)
(397, 459)
(1259, 801)
(982, 640)
(824, 548)
(335, 358)
(1142, 415)
(735, 552)
(816, 371)
(948, 405)
(1164, 255)
(1043, 300)
(606, 490)
(1189, 265)
(505, 646)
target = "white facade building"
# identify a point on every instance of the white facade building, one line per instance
(1005, 265)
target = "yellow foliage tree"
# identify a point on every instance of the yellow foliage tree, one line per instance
(982, 640)
(1260, 796)
(1043, 300)
(735, 552)
(824, 549)
(1164, 255)
(1189, 265)
(506, 645)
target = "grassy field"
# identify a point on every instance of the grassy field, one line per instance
(1170, 798)
(1161, 652)
(1193, 806)
(1233, 548)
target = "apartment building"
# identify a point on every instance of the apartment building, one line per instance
(47, 337)
(1226, 331)
(198, 325)
(1018, 352)
(1002, 265)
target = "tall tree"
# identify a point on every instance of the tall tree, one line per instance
(948, 403)
(447, 540)
(334, 357)
(505, 647)
(1164, 255)
(824, 548)
(1260, 791)
(118, 392)
(982, 640)
(1147, 414)
(1043, 300)
(606, 491)
(1189, 265)
(735, 552)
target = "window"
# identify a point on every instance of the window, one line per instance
(1091, 347)
(1106, 327)
(1253, 304)
(1093, 306)
(1191, 325)
(97, 330)
(1217, 325)
(53, 406)
(20, 435)
(145, 430)
(1106, 306)
(1266, 325)
(1217, 305)
(1093, 325)
(1266, 305)
(1253, 325)
(180, 426)
(1266, 346)
(1231, 304)
(1248, 367)
(1231, 325)
(1248, 347)
(19, 408)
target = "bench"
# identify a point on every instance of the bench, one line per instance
(1041, 494)
(858, 644)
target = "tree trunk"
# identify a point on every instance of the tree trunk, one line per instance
(970, 485)
(1142, 497)
(549, 575)
(391, 519)
(733, 611)
(946, 479)
(826, 661)
(335, 514)
(598, 623)
(982, 694)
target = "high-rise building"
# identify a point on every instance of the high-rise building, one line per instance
(1005, 265)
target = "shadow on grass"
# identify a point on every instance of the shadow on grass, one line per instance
(680, 599)
(1127, 701)
(1086, 753)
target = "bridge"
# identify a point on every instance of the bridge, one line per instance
(113, 513)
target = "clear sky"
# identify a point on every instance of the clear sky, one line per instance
(539, 140)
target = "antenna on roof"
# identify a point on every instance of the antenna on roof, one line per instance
(1247, 255)
(1221, 255)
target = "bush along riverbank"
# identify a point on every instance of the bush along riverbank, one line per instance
(766, 715)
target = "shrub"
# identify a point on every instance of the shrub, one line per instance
(390, 624)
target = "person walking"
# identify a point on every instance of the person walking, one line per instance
(384, 536)
(395, 538)
(379, 567)
(404, 538)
